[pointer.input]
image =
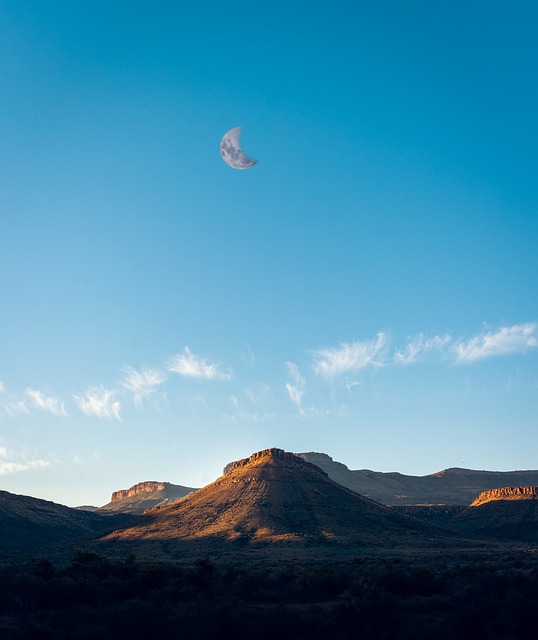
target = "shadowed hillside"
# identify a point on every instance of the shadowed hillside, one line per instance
(30, 524)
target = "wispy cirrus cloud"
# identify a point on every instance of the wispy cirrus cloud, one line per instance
(11, 404)
(99, 402)
(189, 365)
(295, 374)
(350, 358)
(141, 383)
(47, 403)
(258, 394)
(419, 346)
(295, 388)
(295, 394)
(518, 338)
(10, 463)
(16, 407)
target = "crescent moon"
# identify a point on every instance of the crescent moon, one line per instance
(231, 152)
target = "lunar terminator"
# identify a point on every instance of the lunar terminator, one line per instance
(231, 152)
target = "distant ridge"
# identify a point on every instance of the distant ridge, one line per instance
(145, 495)
(276, 497)
(450, 486)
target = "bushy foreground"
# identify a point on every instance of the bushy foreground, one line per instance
(94, 597)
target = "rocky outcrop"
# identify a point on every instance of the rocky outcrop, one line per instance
(145, 495)
(506, 493)
(137, 489)
(274, 453)
(508, 513)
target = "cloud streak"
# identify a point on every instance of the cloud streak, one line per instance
(141, 383)
(349, 358)
(295, 394)
(189, 365)
(99, 402)
(12, 405)
(417, 348)
(47, 403)
(296, 388)
(7, 465)
(518, 338)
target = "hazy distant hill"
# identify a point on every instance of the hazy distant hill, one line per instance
(451, 486)
(145, 495)
(31, 524)
(277, 497)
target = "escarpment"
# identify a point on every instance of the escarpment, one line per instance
(506, 493)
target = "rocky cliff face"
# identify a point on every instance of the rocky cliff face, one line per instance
(506, 493)
(276, 453)
(145, 495)
(137, 489)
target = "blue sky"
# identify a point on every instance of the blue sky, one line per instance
(368, 289)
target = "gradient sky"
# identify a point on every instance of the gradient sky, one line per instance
(368, 289)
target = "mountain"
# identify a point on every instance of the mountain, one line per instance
(278, 497)
(145, 495)
(30, 524)
(509, 513)
(451, 486)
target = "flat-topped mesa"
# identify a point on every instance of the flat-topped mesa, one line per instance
(506, 493)
(268, 453)
(137, 489)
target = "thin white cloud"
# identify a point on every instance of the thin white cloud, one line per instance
(253, 417)
(419, 346)
(350, 383)
(248, 357)
(294, 374)
(234, 401)
(99, 402)
(13, 464)
(47, 403)
(14, 407)
(295, 388)
(10, 404)
(258, 397)
(141, 383)
(75, 457)
(340, 411)
(518, 338)
(295, 394)
(192, 366)
(349, 358)
(258, 394)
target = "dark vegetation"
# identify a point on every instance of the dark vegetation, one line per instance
(94, 597)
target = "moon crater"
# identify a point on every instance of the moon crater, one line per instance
(231, 152)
